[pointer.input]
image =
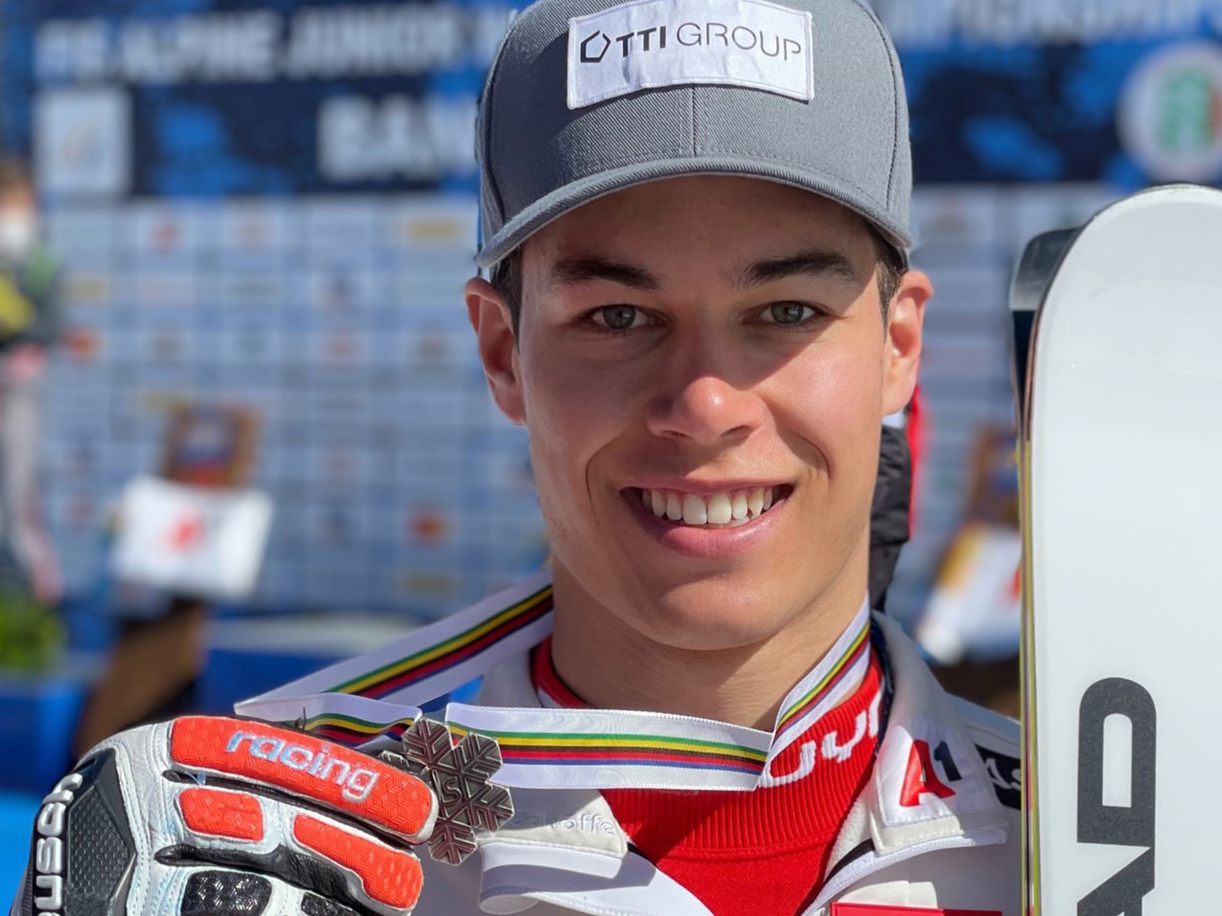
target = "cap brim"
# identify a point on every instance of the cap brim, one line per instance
(578, 193)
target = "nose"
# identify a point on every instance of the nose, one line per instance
(705, 408)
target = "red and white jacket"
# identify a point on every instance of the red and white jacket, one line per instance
(952, 850)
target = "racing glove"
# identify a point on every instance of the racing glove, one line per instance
(211, 815)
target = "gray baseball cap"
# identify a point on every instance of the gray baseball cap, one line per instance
(587, 97)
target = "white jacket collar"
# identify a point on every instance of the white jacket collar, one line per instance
(925, 745)
(929, 790)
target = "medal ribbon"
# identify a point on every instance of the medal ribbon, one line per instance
(374, 697)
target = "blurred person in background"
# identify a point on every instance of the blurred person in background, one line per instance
(30, 325)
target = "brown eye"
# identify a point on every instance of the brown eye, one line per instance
(619, 317)
(789, 312)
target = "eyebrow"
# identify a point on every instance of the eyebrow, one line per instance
(582, 270)
(815, 262)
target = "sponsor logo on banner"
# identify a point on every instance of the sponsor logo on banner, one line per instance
(166, 346)
(338, 288)
(332, 225)
(251, 234)
(250, 227)
(955, 218)
(441, 225)
(167, 228)
(339, 349)
(253, 288)
(427, 586)
(165, 234)
(1171, 114)
(335, 526)
(651, 44)
(341, 465)
(429, 526)
(84, 345)
(82, 141)
(168, 289)
(250, 345)
(85, 288)
(870, 909)
(430, 350)
(338, 291)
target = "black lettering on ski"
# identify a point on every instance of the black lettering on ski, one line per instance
(1123, 892)
(1112, 825)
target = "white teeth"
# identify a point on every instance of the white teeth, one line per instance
(731, 509)
(755, 501)
(658, 502)
(694, 510)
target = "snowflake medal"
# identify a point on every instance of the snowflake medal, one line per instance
(458, 774)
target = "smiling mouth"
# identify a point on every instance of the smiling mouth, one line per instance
(731, 509)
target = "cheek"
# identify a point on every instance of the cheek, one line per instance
(829, 405)
(573, 413)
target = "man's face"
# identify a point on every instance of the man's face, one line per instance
(17, 202)
(703, 368)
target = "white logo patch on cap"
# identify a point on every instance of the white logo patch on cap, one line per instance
(648, 44)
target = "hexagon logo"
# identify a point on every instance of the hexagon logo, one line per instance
(1171, 114)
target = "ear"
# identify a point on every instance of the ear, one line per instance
(493, 324)
(905, 321)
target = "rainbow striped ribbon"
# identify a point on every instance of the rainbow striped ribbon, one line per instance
(350, 720)
(436, 659)
(366, 700)
(831, 682)
(611, 748)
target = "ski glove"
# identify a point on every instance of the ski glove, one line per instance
(209, 815)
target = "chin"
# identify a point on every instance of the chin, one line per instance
(713, 615)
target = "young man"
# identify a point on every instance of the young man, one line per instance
(695, 218)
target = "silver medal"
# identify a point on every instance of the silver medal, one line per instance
(458, 774)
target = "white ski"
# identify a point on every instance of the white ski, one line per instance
(1122, 490)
